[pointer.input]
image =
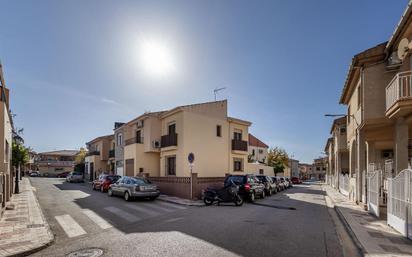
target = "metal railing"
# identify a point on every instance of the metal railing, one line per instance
(111, 153)
(168, 140)
(134, 140)
(239, 145)
(400, 87)
(93, 153)
(374, 192)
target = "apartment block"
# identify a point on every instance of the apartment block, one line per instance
(100, 157)
(55, 162)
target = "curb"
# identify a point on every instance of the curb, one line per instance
(345, 223)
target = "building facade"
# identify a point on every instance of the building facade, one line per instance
(258, 151)
(100, 158)
(55, 163)
(6, 132)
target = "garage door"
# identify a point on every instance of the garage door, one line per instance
(130, 167)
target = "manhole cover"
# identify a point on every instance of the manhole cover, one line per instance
(89, 252)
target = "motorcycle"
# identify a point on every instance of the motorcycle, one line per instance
(225, 195)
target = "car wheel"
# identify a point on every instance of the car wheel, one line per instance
(110, 192)
(127, 196)
(207, 201)
(263, 194)
(252, 197)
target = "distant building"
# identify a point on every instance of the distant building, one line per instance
(100, 157)
(258, 151)
(294, 168)
(55, 162)
(305, 170)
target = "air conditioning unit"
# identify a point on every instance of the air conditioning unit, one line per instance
(156, 144)
(387, 154)
(140, 123)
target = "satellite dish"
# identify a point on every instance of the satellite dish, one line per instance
(403, 48)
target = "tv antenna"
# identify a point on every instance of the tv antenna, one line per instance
(216, 90)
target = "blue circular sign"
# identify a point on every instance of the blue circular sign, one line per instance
(191, 157)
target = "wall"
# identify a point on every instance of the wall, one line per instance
(254, 168)
(261, 157)
(174, 150)
(237, 154)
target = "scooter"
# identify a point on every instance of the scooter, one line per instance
(225, 195)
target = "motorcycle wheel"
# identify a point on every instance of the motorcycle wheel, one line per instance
(239, 201)
(207, 201)
(252, 197)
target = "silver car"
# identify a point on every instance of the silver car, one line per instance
(134, 187)
(74, 177)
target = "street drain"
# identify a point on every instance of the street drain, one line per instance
(88, 252)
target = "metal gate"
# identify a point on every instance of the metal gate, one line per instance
(399, 203)
(373, 192)
(344, 184)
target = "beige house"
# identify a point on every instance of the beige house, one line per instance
(6, 130)
(100, 157)
(55, 162)
(305, 170)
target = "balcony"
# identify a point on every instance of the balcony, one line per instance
(399, 95)
(111, 153)
(134, 140)
(168, 140)
(55, 163)
(239, 145)
(93, 153)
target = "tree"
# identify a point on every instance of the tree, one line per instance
(81, 156)
(19, 157)
(278, 159)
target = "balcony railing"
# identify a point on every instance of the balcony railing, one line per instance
(134, 140)
(111, 153)
(55, 163)
(399, 88)
(93, 153)
(168, 140)
(239, 145)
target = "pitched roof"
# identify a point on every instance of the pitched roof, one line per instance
(371, 55)
(110, 136)
(254, 141)
(402, 24)
(61, 152)
(338, 121)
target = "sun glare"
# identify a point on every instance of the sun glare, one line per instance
(156, 59)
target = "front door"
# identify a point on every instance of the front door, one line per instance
(91, 171)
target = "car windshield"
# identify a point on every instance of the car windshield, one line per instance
(261, 178)
(238, 180)
(113, 178)
(140, 181)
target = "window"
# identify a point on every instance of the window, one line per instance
(237, 135)
(172, 129)
(120, 139)
(260, 151)
(139, 138)
(237, 164)
(218, 131)
(359, 90)
(343, 130)
(349, 114)
(318, 168)
(171, 165)
(253, 152)
(261, 171)
(6, 152)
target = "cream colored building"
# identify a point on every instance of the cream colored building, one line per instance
(100, 157)
(6, 129)
(258, 151)
(157, 144)
(55, 162)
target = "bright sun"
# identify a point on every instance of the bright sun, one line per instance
(156, 59)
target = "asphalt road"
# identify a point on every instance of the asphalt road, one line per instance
(296, 222)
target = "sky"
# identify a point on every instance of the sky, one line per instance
(75, 67)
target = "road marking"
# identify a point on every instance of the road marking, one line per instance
(173, 205)
(144, 210)
(156, 207)
(122, 214)
(70, 226)
(102, 223)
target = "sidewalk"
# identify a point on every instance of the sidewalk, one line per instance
(372, 235)
(181, 201)
(24, 230)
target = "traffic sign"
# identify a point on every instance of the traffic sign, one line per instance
(191, 157)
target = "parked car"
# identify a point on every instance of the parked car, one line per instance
(284, 182)
(249, 186)
(74, 177)
(270, 185)
(134, 187)
(296, 180)
(290, 184)
(34, 173)
(104, 181)
(279, 186)
(63, 174)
